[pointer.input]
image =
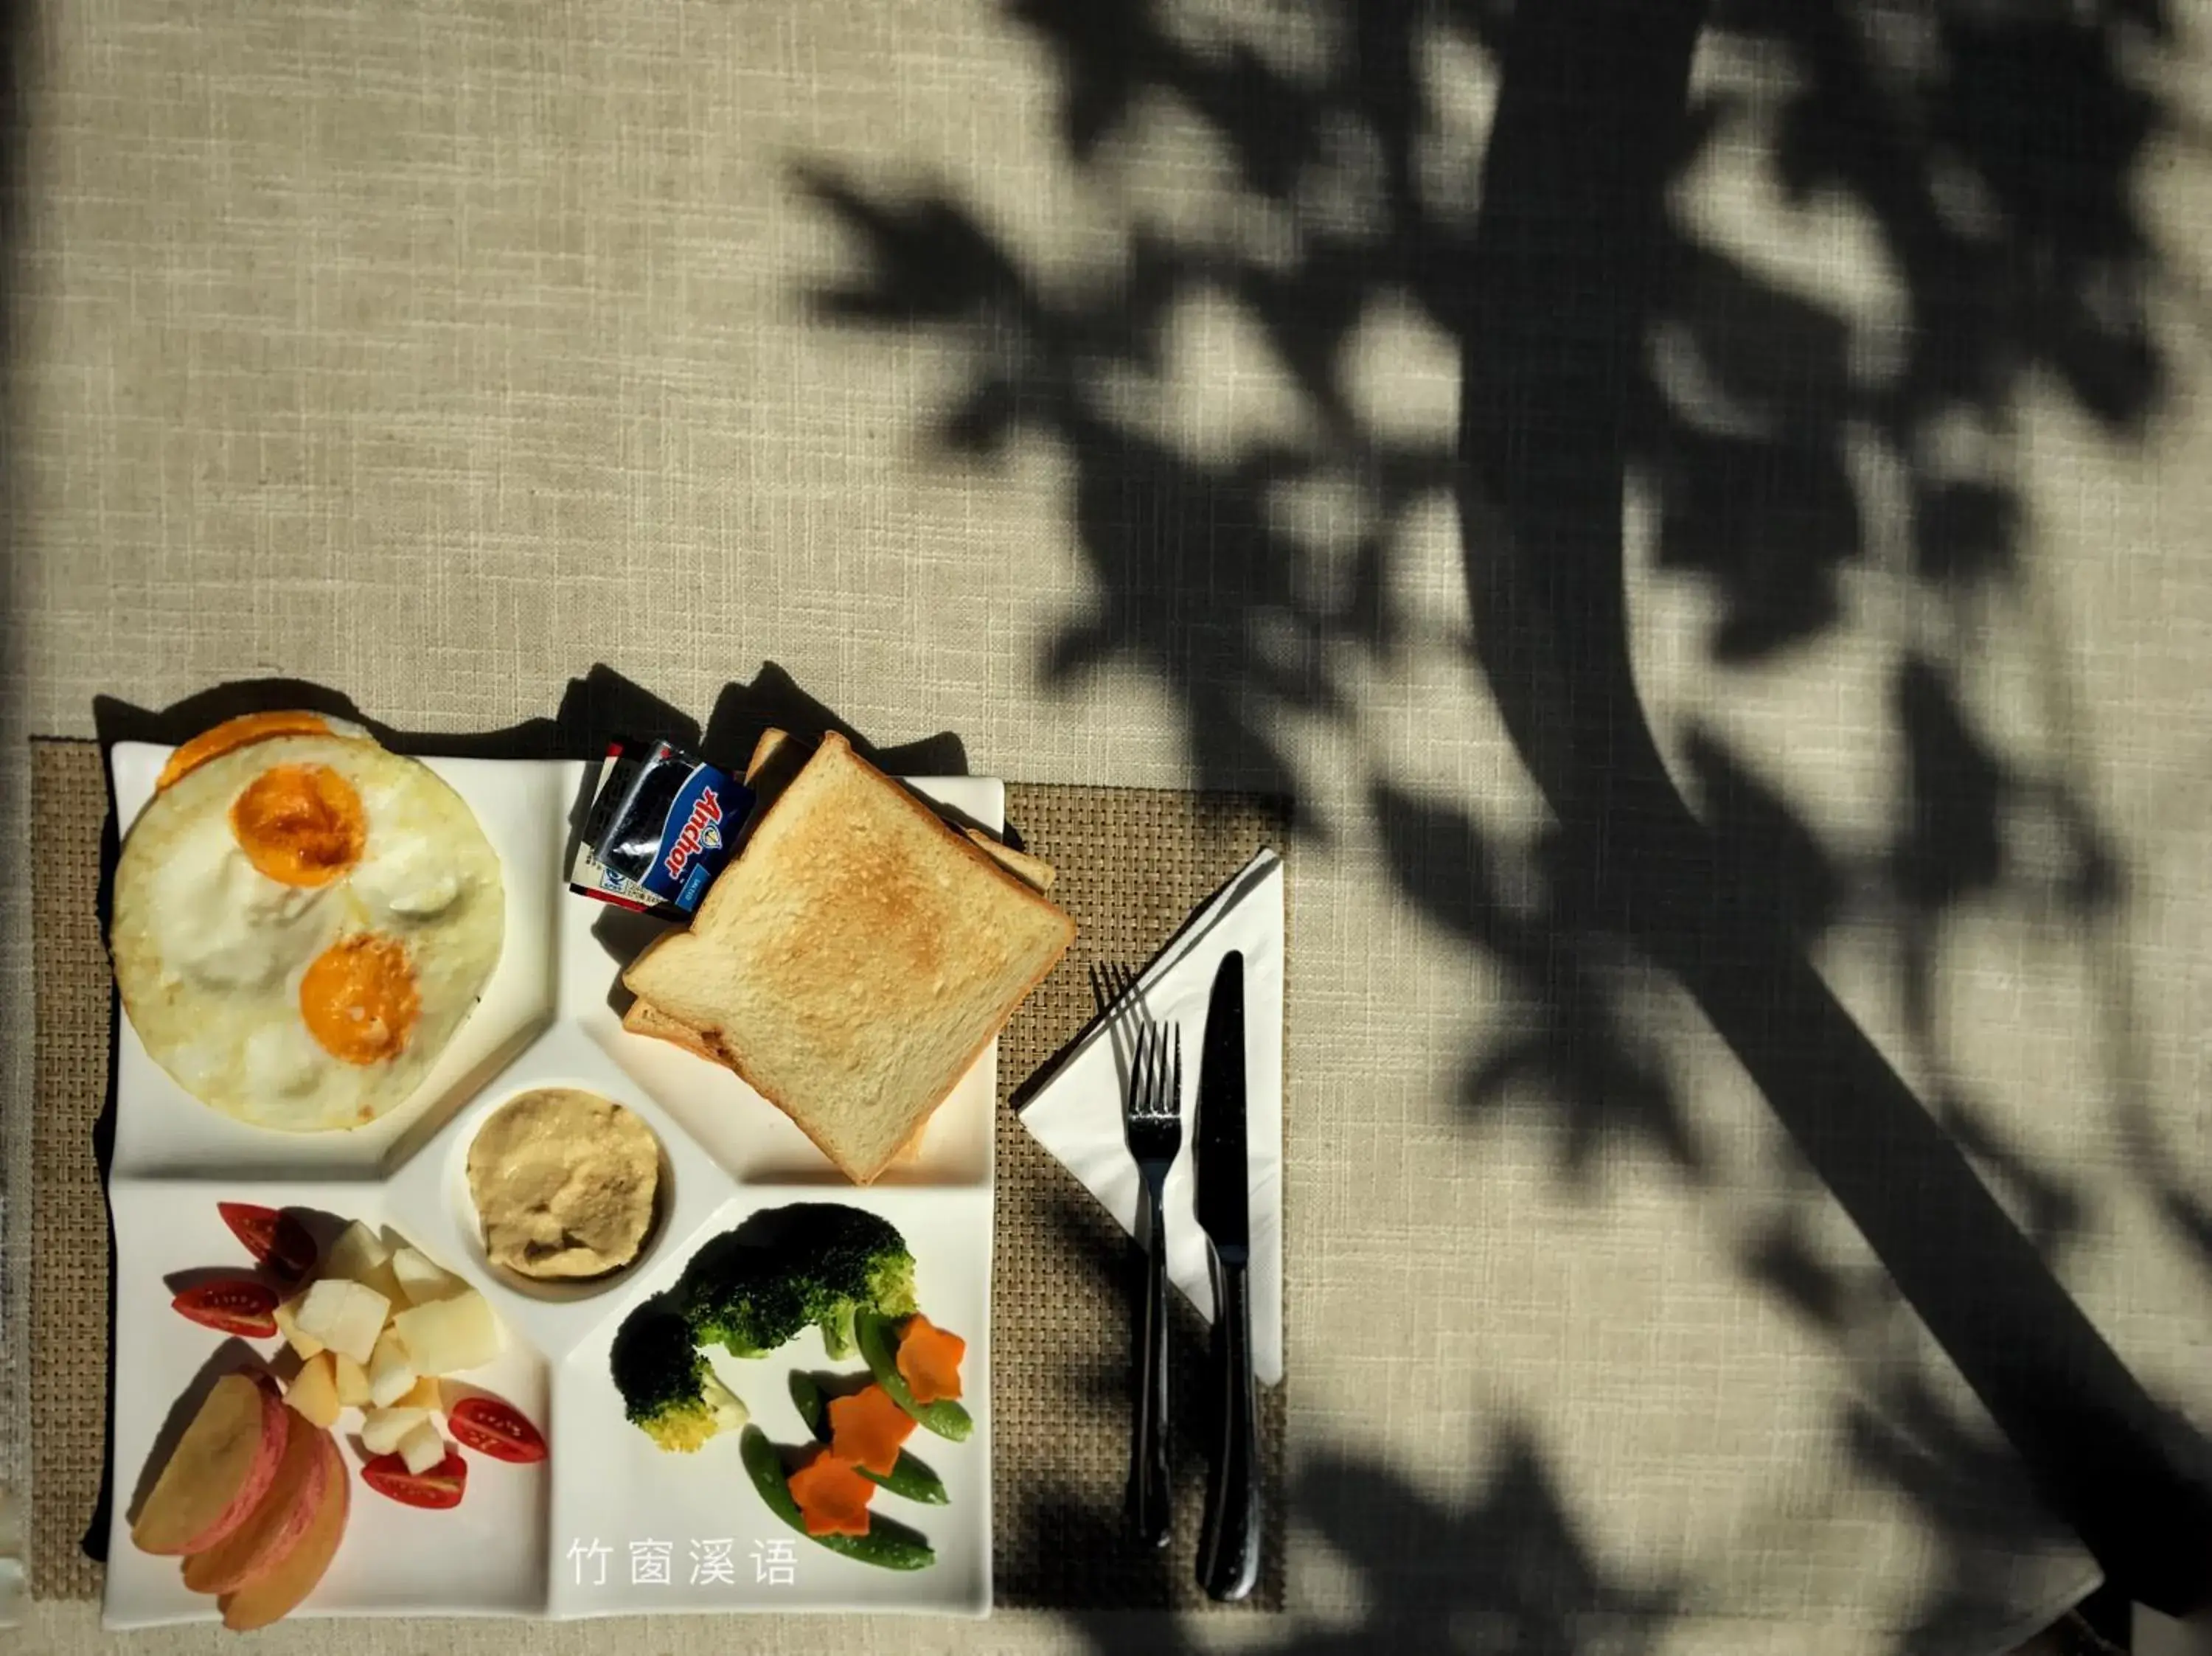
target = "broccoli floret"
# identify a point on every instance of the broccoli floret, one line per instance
(846, 1261)
(753, 1289)
(826, 1264)
(739, 1299)
(667, 1390)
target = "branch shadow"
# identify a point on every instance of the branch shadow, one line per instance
(1603, 337)
(1506, 1568)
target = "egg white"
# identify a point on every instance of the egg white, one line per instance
(209, 951)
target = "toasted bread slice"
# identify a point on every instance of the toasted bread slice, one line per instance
(771, 753)
(1032, 871)
(855, 960)
(644, 1018)
(770, 744)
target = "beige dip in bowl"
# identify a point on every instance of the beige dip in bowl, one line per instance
(563, 1182)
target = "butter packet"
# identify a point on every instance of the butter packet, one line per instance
(660, 827)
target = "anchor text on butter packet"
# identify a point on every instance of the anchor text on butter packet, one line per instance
(699, 1563)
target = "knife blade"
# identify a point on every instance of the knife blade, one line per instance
(1229, 1545)
(1224, 1176)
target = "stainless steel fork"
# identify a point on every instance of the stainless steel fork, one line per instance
(1151, 1121)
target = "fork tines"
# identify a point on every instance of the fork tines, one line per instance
(1156, 1081)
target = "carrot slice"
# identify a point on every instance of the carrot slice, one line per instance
(832, 1495)
(867, 1428)
(929, 1360)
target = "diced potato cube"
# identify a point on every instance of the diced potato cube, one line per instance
(391, 1376)
(344, 1316)
(422, 1448)
(314, 1391)
(352, 1381)
(382, 1428)
(422, 1280)
(448, 1336)
(288, 1324)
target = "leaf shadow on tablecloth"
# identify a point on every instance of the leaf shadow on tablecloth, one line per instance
(1608, 344)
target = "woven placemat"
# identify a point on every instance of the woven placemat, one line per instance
(1132, 863)
(70, 1243)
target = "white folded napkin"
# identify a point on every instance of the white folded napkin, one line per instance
(1075, 1111)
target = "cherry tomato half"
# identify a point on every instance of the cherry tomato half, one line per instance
(438, 1489)
(495, 1429)
(231, 1305)
(276, 1240)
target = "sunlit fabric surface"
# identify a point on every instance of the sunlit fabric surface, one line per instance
(1093, 379)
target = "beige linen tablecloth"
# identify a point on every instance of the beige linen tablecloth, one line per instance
(1085, 379)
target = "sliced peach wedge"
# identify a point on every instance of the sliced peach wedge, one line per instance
(218, 1473)
(278, 1519)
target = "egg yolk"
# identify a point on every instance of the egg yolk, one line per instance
(359, 999)
(300, 824)
(237, 733)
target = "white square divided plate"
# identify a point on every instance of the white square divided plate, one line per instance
(527, 1540)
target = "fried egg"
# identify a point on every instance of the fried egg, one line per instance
(302, 923)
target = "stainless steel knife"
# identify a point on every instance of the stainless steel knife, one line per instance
(1229, 1545)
